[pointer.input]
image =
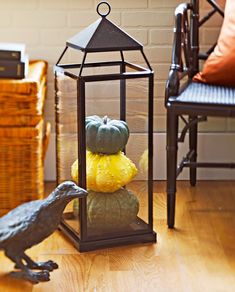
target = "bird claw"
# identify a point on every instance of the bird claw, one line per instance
(41, 276)
(33, 277)
(49, 266)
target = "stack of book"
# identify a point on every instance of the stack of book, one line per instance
(13, 61)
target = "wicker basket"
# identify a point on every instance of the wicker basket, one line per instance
(22, 151)
(22, 139)
(22, 101)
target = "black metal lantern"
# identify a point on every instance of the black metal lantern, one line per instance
(99, 103)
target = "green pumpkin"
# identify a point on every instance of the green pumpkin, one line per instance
(106, 136)
(110, 211)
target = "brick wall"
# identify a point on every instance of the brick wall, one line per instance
(45, 25)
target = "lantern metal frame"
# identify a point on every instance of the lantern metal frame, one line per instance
(82, 241)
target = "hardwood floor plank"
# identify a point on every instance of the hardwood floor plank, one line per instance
(198, 255)
(78, 272)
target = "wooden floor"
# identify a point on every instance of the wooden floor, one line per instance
(199, 255)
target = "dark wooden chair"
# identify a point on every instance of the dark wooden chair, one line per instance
(190, 101)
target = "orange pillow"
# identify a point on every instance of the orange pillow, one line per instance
(219, 68)
(221, 3)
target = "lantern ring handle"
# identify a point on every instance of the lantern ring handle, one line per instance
(105, 14)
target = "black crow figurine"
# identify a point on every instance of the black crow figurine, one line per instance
(29, 224)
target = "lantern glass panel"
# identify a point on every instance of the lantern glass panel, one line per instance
(137, 147)
(103, 99)
(120, 209)
(67, 137)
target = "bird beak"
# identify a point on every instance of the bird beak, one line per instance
(79, 193)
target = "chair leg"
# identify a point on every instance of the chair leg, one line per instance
(193, 147)
(172, 147)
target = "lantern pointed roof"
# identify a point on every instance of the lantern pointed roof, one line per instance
(103, 36)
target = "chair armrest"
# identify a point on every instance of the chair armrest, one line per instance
(182, 50)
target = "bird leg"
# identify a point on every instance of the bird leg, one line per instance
(49, 265)
(26, 273)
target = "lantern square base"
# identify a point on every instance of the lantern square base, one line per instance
(120, 240)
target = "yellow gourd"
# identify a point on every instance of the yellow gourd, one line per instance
(143, 162)
(106, 173)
